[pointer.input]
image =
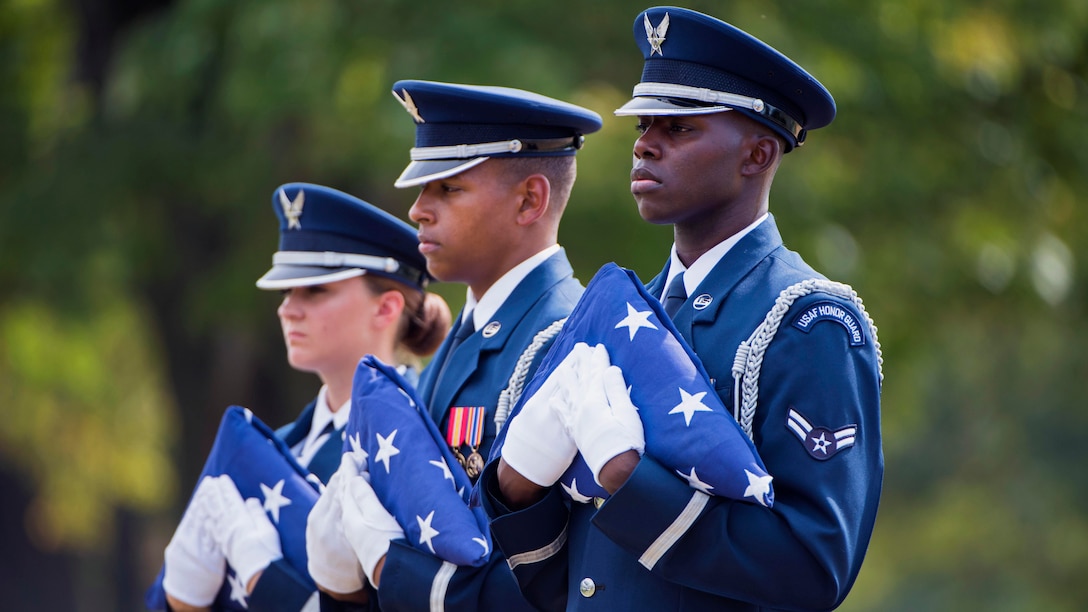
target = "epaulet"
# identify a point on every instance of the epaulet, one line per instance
(749, 357)
(512, 393)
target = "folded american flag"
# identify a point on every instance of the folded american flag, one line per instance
(412, 471)
(687, 427)
(261, 466)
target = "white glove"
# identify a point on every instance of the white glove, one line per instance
(332, 562)
(537, 444)
(603, 422)
(195, 564)
(368, 526)
(242, 529)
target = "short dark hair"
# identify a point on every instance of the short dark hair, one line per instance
(560, 172)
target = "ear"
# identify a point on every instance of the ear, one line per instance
(390, 307)
(534, 191)
(763, 153)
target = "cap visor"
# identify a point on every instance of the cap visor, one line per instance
(420, 172)
(287, 277)
(666, 106)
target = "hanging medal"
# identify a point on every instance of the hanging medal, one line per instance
(466, 427)
(455, 433)
(474, 463)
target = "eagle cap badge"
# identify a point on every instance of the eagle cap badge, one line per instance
(656, 36)
(292, 209)
(409, 105)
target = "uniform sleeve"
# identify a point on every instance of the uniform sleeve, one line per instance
(533, 541)
(414, 580)
(280, 589)
(817, 428)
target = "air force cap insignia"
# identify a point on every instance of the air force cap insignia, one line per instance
(656, 36)
(820, 442)
(409, 105)
(292, 209)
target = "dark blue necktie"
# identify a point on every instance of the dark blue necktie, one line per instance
(675, 296)
(464, 330)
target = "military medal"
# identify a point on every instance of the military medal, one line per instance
(455, 428)
(474, 463)
(466, 427)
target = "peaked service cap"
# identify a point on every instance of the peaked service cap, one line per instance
(461, 126)
(327, 235)
(697, 64)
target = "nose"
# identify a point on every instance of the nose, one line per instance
(646, 146)
(289, 308)
(420, 213)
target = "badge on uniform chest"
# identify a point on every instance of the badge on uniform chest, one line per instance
(466, 428)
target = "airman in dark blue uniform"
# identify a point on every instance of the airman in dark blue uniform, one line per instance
(354, 283)
(793, 354)
(494, 167)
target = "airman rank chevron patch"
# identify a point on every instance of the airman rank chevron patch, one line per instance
(820, 442)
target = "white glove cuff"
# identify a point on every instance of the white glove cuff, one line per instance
(340, 578)
(604, 448)
(540, 456)
(377, 549)
(254, 544)
(189, 578)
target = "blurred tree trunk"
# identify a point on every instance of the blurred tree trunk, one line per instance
(30, 579)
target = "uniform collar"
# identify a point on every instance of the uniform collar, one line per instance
(323, 415)
(702, 267)
(493, 299)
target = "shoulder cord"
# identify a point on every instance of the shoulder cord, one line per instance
(749, 357)
(510, 395)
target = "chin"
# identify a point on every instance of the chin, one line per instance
(300, 363)
(651, 215)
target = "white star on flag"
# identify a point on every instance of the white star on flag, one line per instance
(238, 590)
(446, 473)
(426, 532)
(689, 405)
(694, 482)
(634, 320)
(386, 449)
(758, 487)
(482, 542)
(575, 494)
(357, 452)
(274, 499)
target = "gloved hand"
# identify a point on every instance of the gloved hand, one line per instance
(368, 526)
(332, 562)
(194, 564)
(537, 444)
(603, 422)
(247, 537)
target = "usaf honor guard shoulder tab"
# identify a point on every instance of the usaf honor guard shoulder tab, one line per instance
(831, 311)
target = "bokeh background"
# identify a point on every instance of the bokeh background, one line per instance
(141, 142)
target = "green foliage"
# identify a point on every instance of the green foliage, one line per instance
(90, 417)
(947, 191)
